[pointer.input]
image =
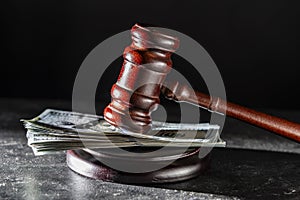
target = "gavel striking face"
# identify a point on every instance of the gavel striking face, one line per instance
(136, 94)
(147, 61)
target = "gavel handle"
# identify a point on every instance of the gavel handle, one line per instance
(277, 125)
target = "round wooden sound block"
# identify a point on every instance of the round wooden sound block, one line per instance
(88, 163)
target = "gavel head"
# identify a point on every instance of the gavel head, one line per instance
(135, 95)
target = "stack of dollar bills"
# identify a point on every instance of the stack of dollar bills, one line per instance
(56, 130)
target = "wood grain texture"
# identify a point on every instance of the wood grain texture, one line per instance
(147, 61)
(136, 94)
(277, 125)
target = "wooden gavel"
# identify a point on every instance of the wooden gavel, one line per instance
(135, 96)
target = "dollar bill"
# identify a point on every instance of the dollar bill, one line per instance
(56, 130)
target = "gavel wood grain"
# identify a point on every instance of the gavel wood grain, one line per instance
(147, 61)
(183, 93)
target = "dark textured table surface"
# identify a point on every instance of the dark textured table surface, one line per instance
(255, 164)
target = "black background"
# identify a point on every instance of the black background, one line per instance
(255, 44)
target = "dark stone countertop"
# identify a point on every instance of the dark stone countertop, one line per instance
(255, 164)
